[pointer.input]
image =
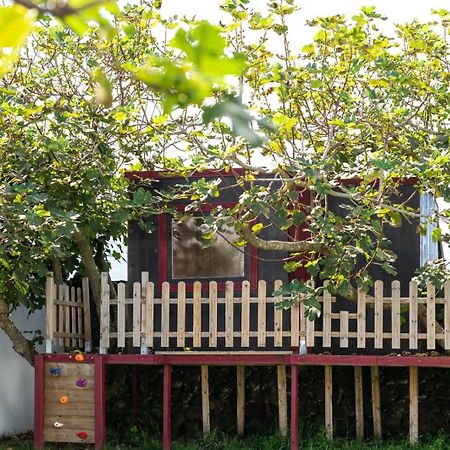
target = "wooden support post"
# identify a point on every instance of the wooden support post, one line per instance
(205, 399)
(359, 407)
(376, 405)
(167, 388)
(134, 388)
(329, 401)
(282, 400)
(99, 385)
(240, 399)
(294, 407)
(39, 401)
(413, 404)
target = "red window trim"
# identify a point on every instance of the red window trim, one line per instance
(163, 274)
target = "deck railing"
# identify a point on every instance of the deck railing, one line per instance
(67, 317)
(238, 320)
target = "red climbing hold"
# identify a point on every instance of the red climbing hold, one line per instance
(82, 435)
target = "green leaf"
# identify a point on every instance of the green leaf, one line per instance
(16, 23)
(241, 120)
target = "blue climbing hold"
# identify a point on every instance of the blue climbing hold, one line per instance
(55, 371)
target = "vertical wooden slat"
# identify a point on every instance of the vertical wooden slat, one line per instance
(165, 314)
(282, 400)
(212, 314)
(205, 400)
(261, 313)
(447, 314)
(240, 399)
(80, 328)
(181, 315)
(197, 318)
(73, 315)
(413, 315)
(396, 314)
(167, 406)
(229, 327)
(359, 406)
(413, 405)
(304, 343)
(149, 314)
(137, 314)
(431, 317)
(295, 325)
(121, 315)
(294, 407)
(376, 404)
(278, 317)
(49, 312)
(343, 329)
(104, 313)
(66, 314)
(326, 317)
(86, 315)
(245, 315)
(329, 402)
(378, 325)
(361, 340)
(60, 324)
(144, 283)
(310, 325)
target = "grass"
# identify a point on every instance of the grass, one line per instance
(220, 441)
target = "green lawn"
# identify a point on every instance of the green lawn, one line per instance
(219, 441)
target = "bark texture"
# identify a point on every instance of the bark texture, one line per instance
(21, 345)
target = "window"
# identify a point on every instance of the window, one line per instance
(195, 257)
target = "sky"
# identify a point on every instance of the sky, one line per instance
(397, 11)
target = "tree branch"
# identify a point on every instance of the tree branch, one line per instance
(21, 345)
(60, 10)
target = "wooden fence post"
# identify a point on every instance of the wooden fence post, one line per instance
(282, 400)
(240, 399)
(359, 406)
(205, 399)
(329, 401)
(376, 405)
(413, 404)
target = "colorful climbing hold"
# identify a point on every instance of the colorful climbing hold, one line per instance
(79, 357)
(81, 383)
(58, 425)
(64, 399)
(55, 371)
(82, 435)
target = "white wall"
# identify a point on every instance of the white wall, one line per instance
(17, 378)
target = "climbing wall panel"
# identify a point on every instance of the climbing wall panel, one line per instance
(69, 408)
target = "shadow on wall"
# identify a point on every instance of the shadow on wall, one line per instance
(17, 378)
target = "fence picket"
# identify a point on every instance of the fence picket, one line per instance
(261, 313)
(343, 330)
(413, 315)
(121, 315)
(295, 331)
(245, 315)
(326, 317)
(395, 314)
(229, 294)
(197, 318)
(213, 314)
(149, 314)
(361, 319)
(165, 314)
(86, 315)
(431, 317)
(378, 324)
(137, 296)
(104, 313)
(278, 317)
(181, 315)
(447, 314)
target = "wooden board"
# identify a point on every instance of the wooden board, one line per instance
(361, 319)
(261, 313)
(75, 369)
(205, 400)
(282, 400)
(240, 374)
(76, 395)
(181, 315)
(413, 315)
(376, 404)
(213, 314)
(245, 315)
(378, 325)
(431, 317)
(71, 409)
(413, 404)
(68, 382)
(278, 317)
(329, 402)
(396, 314)
(359, 406)
(197, 316)
(63, 435)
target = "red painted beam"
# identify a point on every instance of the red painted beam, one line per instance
(294, 407)
(370, 360)
(38, 401)
(99, 385)
(198, 359)
(167, 390)
(68, 358)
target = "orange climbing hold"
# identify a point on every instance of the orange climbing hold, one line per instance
(79, 357)
(64, 399)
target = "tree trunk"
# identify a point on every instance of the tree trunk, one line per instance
(87, 256)
(21, 345)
